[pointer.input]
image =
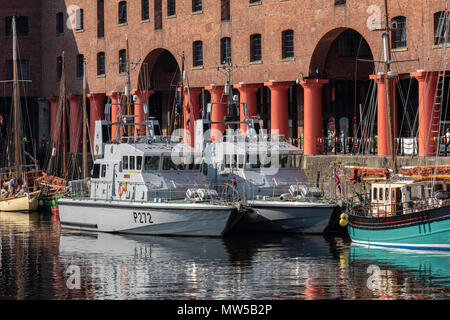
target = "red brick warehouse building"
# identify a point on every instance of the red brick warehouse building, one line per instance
(271, 44)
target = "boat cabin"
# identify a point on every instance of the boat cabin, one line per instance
(402, 197)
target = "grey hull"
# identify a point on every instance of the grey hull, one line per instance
(147, 218)
(289, 219)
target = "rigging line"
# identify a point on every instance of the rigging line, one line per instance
(443, 70)
(404, 102)
(356, 80)
(443, 23)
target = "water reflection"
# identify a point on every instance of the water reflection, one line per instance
(164, 267)
(36, 256)
(403, 274)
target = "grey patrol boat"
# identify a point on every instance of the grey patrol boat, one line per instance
(143, 186)
(264, 172)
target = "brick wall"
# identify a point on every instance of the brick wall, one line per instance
(313, 23)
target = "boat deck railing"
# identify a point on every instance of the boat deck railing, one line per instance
(396, 208)
(155, 193)
(274, 192)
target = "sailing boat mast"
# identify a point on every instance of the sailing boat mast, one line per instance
(63, 105)
(127, 88)
(387, 83)
(183, 77)
(16, 102)
(84, 125)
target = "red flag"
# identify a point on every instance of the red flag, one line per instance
(1, 120)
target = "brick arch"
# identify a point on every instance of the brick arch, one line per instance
(159, 71)
(322, 49)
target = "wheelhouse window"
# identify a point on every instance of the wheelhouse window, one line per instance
(125, 162)
(441, 24)
(138, 162)
(196, 5)
(197, 52)
(399, 32)
(168, 164)
(283, 161)
(287, 44)
(96, 171)
(381, 194)
(255, 47)
(241, 160)
(103, 170)
(227, 161)
(225, 50)
(132, 162)
(151, 163)
(296, 161)
(122, 12)
(374, 196)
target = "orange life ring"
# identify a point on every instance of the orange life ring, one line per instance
(121, 189)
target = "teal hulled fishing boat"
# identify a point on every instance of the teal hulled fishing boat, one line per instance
(409, 209)
(403, 221)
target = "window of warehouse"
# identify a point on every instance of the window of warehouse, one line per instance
(122, 12)
(171, 8)
(225, 10)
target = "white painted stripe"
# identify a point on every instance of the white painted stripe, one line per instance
(409, 245)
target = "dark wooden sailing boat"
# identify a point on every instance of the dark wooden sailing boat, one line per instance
(22, 200)
(53, 183)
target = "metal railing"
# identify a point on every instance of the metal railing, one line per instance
(394, 209)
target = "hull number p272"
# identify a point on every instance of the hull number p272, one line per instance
(142, 217)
